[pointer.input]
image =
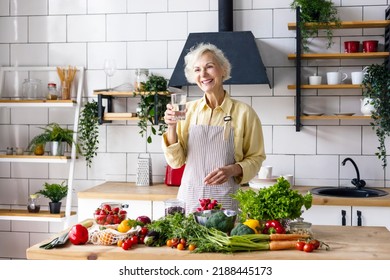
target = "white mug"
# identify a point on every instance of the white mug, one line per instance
(357, 77)
(335, 78)
(289, 178)
(315, 80)
(265, 172)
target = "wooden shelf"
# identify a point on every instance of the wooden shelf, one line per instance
(331, 117)
(358, 55)
(24, 215)
(36, 103)
(347, 24)
(340, 86)
(119, 116)
(127, 93)
(34, 158)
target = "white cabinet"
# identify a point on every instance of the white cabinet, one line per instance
(348, 215)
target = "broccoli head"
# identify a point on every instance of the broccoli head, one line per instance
(221, 222)
(241, 229)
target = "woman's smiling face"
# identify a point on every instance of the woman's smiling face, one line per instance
(208, 73)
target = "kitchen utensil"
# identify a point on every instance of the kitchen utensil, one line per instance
(351, 46)
(366, 107)
(335, 78)
(370, 46)
(265, 172)
(173, 175)
(256, 183)
(315, 80)
(31, 89)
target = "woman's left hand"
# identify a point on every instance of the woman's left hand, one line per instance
(221, 175)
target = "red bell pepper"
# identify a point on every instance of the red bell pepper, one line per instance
(78, 234)
(273, 226)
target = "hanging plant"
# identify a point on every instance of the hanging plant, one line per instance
(321, 14)
(89, 131)
(152, 106)
(376, 85)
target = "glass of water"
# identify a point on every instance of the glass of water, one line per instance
(178, 101)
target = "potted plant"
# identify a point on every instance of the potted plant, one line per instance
(376, 86)
(321, 14)
(152, 106)
(58, 137)
(54, 192)
(89, 131)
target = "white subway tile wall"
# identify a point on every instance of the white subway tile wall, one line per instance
(151, 34)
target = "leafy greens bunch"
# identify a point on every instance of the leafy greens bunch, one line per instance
(273, 203)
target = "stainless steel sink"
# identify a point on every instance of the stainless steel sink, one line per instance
(348, 192)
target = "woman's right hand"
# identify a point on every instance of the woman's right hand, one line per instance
(169, 116)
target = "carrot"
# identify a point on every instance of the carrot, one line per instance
(282, 245)
(287, 236)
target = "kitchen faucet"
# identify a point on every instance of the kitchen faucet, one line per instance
(356, 181)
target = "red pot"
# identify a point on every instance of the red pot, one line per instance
(370, 46)
(351, 46)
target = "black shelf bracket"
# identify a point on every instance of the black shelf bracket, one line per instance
(298, 71)
(101, 108)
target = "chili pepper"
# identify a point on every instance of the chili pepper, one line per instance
(78, 234)
(273, 226)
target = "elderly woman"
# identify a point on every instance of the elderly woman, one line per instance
(221, 139)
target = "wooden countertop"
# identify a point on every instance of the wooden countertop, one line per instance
(161, 192)
(346, 243)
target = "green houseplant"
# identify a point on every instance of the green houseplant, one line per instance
(54, 192)
(321, 14)
(53, 133)
(89, 131)
(149, 102)
(376, 85)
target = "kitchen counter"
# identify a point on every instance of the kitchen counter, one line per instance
(346, 243)
(161, 192)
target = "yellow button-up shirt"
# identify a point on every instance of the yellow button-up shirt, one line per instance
(248, 134)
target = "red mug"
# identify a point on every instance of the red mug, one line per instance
(351, 46)
(370, 46)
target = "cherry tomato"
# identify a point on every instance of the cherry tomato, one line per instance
(175, 242)
(308, 247)
(143, 231)
(183, 241)
(169, 242)
(180, 246)
(141, 239)
(316, 243)
(126, 245)
(299, 245)
(191, 247)
(134, 239)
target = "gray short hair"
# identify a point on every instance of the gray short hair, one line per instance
(196, 52)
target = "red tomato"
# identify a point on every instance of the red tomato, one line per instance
(308, 247)
(316, 243)
(299, 245)
(141, 239)
(143, 231)
(126, 245)
(134, 239)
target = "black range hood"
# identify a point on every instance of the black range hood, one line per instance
(239, 47)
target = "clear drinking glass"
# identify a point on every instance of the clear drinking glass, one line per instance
(178, 101)
(109, 69)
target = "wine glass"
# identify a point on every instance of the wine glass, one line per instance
(109, 69)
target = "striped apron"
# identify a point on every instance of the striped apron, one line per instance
(209, 147)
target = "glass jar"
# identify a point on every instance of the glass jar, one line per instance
(52, 93)
(301, 227)
(141, 76)
(33, 204)
(174, 205)
(31, 89)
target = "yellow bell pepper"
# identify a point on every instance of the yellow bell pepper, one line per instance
(253, 224)
(124, 226)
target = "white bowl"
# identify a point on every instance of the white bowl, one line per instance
(257, 184)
